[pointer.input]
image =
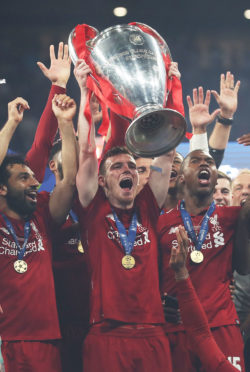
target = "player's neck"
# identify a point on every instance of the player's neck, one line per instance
(195, 205)
(170, 202)
(121, 205)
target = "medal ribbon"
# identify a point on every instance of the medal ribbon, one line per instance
(198, 241)
(21, 251)
(127, 240)
(73, 216)
(75, 220)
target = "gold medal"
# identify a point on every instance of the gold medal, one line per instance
(20, 266)
(196, 256)
(80, 247)
(128, 261)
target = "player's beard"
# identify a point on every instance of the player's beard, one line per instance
(172, 191)
(17, 202)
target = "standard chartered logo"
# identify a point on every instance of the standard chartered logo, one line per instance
(9, 247)
(141, 239)
(212, 240)
(218, 239)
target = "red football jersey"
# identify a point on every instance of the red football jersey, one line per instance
(211, 278)
(126, 295)
(28, 299)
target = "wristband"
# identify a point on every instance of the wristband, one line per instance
(224, 121)
(199, 142)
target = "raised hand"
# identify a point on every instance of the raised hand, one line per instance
(179, 254)
(59, 71)
(16, 109)
(244, 140)
(228, 97)
(199, 115)
(173, 70)
(81, 72)
(63, 107)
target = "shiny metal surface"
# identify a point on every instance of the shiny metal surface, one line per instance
(155, 132)
(131, 60)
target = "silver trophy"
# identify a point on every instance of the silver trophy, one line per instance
(131, 61)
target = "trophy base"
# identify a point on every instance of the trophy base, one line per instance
(156, 132)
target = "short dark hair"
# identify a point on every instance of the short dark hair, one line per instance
(7, 163)
(112, 152)
(189, 155)
(57, 146)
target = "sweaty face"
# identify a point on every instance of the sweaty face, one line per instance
(120, 180)
(222, 192)
(143, 168)
(22, 187)
(200, 173)
(241, 189)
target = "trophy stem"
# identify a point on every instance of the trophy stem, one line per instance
(146, 109)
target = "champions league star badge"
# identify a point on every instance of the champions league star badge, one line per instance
(20, 266)
(196, 256)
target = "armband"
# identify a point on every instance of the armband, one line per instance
(157, 169)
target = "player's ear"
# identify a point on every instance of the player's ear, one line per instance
(52, 165)
(3, 190)
(101, 180)
(181, 179)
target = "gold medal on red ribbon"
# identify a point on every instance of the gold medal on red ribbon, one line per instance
(128, 261)
(20, 266)
(196, 256)
(80, 247)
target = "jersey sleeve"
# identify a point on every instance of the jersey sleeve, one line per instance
(196, 325)
(84, 214)
(38, 155)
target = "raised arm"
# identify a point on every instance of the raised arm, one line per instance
(61, 199)
(200, 117)
(15, 116)
(228, 102)
(159, 176)
(58, 74)
(87, 175)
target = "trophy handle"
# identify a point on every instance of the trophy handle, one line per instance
(163, 45)
(72, 51)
